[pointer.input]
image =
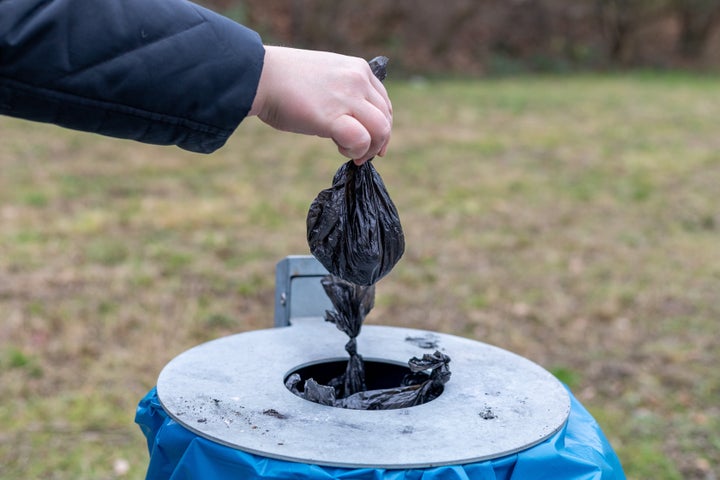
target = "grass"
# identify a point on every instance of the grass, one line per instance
(573, 220)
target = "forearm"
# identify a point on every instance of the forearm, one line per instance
(157, 71)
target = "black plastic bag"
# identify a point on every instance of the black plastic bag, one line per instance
(353, 227)
(417, 387)
(378, 65)
(354, 230)
(352, 303)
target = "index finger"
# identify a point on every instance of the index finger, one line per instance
(382, 91)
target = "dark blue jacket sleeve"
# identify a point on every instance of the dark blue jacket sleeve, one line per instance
(158, 71)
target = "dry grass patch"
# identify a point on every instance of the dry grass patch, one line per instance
(573, 220)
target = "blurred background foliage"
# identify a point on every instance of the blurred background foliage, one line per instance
(495, 36)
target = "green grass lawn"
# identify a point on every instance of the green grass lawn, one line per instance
(573, 220)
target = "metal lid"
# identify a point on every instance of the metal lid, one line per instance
(231, 391)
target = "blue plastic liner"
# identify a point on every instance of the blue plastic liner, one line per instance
(579, 451)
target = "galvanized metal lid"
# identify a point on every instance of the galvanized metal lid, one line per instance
(231, 391)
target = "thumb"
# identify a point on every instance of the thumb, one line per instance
(351, 137)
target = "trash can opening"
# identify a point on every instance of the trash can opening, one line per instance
(379, 375)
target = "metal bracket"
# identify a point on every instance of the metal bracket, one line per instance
(298, 292)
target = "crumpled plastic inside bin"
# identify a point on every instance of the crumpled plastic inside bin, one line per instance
(352, 303)
(416, 388)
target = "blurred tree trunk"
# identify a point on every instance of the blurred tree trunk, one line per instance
(621, 19)
(697, 19)
(618, 19)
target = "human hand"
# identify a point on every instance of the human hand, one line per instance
(328, 95)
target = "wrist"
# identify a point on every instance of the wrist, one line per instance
(260, 93)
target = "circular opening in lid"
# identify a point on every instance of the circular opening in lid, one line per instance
(379, 375)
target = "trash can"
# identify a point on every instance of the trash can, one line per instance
(221, 410)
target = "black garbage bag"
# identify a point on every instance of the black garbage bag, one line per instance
(354, 230)
(353, 227)
(352, 303)
(378, 65)
(417, 387)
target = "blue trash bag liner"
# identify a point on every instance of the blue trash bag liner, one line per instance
(579, 451)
